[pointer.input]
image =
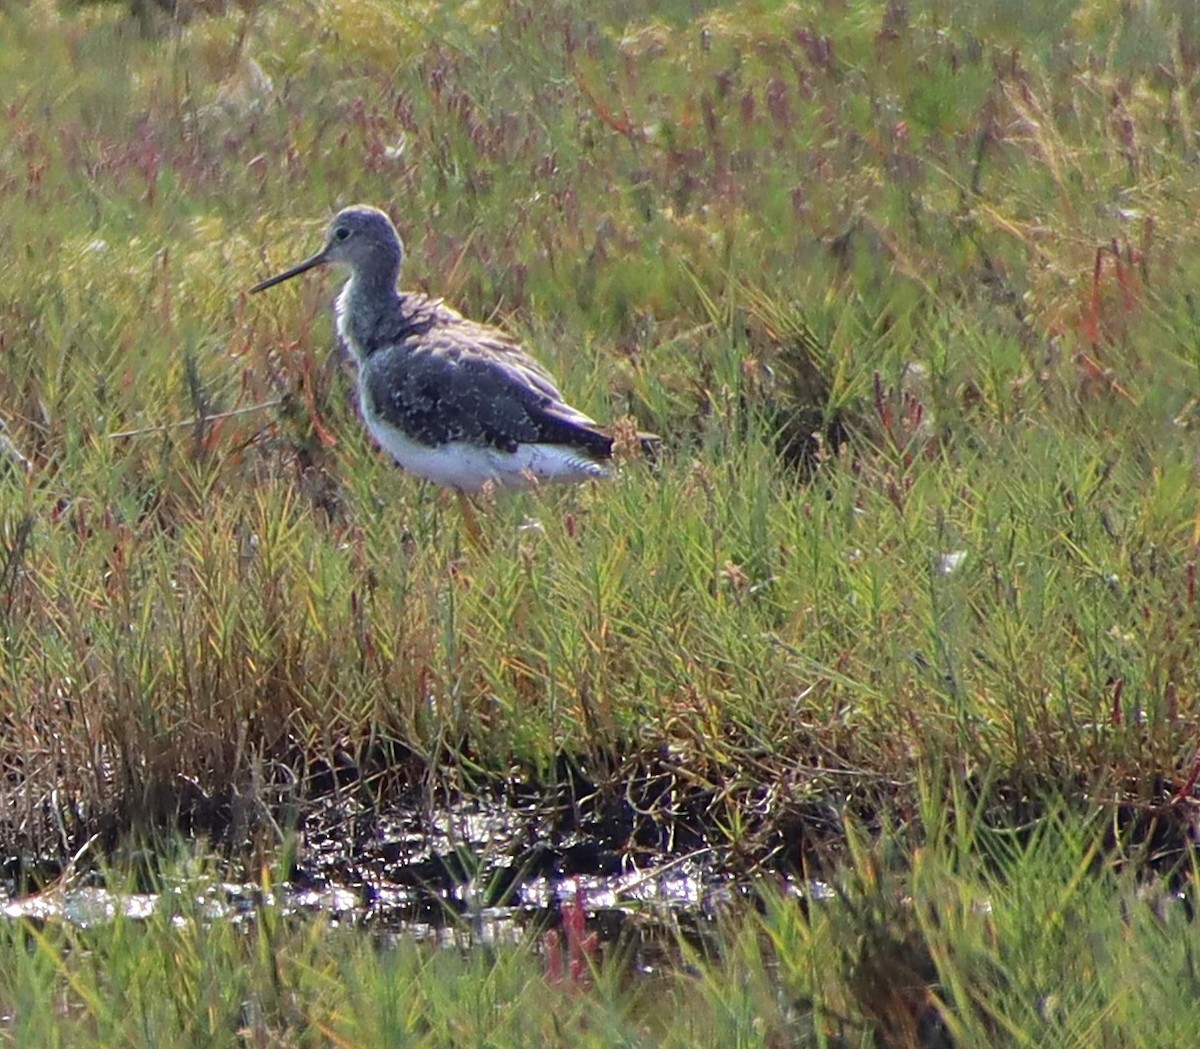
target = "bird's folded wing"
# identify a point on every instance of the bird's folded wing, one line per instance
(459, 384)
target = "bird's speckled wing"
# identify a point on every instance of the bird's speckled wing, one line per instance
(444, 378)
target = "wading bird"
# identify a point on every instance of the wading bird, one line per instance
(452, 401)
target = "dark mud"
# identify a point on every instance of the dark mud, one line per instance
(640, 850)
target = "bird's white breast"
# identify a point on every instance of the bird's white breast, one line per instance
(342, 313)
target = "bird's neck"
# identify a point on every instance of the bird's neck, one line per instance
(364, 304)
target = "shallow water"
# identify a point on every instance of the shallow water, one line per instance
(477, 872)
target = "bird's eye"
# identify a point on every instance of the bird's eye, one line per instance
(341, 233)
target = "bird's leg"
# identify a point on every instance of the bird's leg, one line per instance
(470, 518)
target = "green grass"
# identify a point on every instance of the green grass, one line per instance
(983, 936)
(964, 234)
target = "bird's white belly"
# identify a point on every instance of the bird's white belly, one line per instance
(470, 467)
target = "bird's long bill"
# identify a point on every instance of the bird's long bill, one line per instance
(295, 271)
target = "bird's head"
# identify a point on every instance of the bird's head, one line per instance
(360, 237)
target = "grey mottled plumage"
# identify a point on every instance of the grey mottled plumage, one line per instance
(454, 401)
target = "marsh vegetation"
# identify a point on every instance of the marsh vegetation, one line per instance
(905, 606)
